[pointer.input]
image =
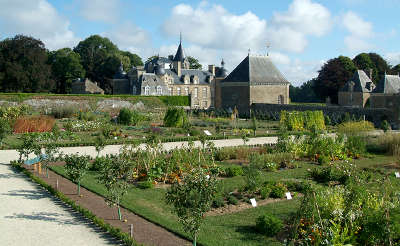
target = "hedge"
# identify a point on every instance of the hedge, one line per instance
(114, 231)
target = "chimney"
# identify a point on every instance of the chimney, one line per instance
(370, 73)
(211, 69)
(178, 68)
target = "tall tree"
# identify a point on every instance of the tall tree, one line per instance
(23, 67)
(304, 93)
(367, 61)
(381, 66)
(134, 59)
(94, 52)
(194, 63)
(332, 76)
(65, 66)
(396, 69)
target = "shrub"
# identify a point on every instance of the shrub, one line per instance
(129, 117)
(323, 160)
(269, 225)
(5, 129)
(355, 146)
(14, 112)
(278, 190)
(63, 112)
(385, 126)
(148, 184)
(175, 100)
(300, 120)
(218, 202)
(232, 200)
(87, 116)
(355, 127)
(175, 117)
(233, 171)
(252, 177)
(99, 163)
(223, 154)
(265, 191)
(194, 132)
(34, 124)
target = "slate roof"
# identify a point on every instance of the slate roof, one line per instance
(360, 80)
(390, 84)
(191, 72)
(256, 69)
(151, 79)
(179, 56)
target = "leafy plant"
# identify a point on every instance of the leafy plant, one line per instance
(76, 167)
(233, 171)
(269, 225)
(192, 198)
(148, 184)
(278, 190)
(129, 117)
(5, 129)
(175, 117)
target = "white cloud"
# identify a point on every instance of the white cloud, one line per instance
(393, 58)
(100, 10)
(39, 19)
(360, 31)
(128, 36)
(298, 72)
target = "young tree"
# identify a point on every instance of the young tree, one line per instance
(254, 123)
(99, 143)
(115, 176)
(50, 154)
(76, 167)
(192, 198)
(28, 145)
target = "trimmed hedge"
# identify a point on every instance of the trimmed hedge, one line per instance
(116, 232)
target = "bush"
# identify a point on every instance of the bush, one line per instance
(148, 184)
(5, 129)
(233, 171)
(323, 160)
(218, 202)
(355, 127)
(99, 163)
(252, 177)
(355, 146)
(223, 154)
(385, 126)
(232, 200)
(176, 117)
(87, 116)
(63, 112)
(300, 120)
(194, 132)
(278, 191)
(269, 225)
(129, 117)
(265, 192)
(34, 124)
(175, 100)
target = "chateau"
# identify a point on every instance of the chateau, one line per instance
(254, 80)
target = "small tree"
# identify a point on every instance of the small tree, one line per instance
(176, 117)
(76, 167)
(28, 145)
(50, 150)
(192, 198)
(254, 123)
(99, 143)
(244, 136)
(5, 129)
(115, 176)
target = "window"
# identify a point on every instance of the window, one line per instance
(196, 92)
(170, 91)
(280, 99)
(159, 90)
(187, 91)
(147, 90)
(179, 91)
(205, 104)
(205, 92)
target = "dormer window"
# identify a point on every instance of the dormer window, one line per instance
(186, 79)
(195, 79)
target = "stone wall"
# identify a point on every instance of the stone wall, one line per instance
(358, 99)
(335, 113)
(235, 94)
(269, 94)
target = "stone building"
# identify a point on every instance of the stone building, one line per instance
(361, 92)
(356, 91)
(85, 86)
(254, 80)
(170, 76)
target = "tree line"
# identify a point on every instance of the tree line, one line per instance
(336, 72)
(27, 66)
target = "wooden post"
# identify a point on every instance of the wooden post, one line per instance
(57, 184)
(131, 230)
(34, 167)
(40, 168)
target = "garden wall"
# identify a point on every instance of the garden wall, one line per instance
(335, 113)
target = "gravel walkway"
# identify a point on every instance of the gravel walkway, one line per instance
(31, 216)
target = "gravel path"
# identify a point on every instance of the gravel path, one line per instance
(8, 155)
(31, 216)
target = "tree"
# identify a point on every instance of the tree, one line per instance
(396, 69)
(192, 198)
(151, 58)
(194, 63)
(254, 123)
(304, 93)
(23, 67)
(332, 76)
(115, 176)
(66, 67)
(50, 150)
(94, 52)
(5, 129)
(372, 61)
(76, 167)
(135, 60)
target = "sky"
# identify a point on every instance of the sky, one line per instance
(298, 35)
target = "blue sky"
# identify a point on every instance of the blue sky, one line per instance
(303, 34)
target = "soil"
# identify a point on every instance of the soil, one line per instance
(144, 232)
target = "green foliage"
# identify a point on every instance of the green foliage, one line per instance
(192, 198)
(385, 126)
(300, 120)
(13, 112)
(5, 129)
(194, 63)
(355, 146)
(23, 65)
(323, 160)
(175, 100)
(252, 176)
(218, 201)
(278, 190)
(29, 142)
(355, 127)
(232, 200)
(87, 116)
(339, 172)
(99, 143)
(304, 93)
(148, 184)
(64, 112)
(233, 171)
(76, 167)
(269, 225)
(129, 117)
(175, 117)
(115, 177)
(265, 191)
